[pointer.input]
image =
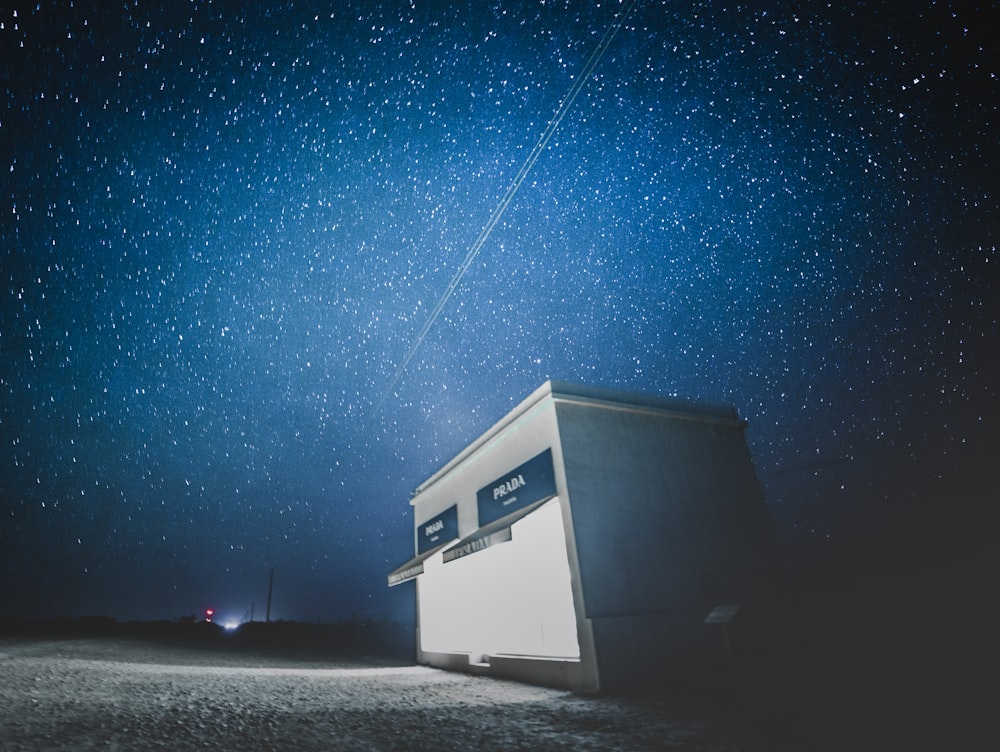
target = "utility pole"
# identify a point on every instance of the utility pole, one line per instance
(270, 587)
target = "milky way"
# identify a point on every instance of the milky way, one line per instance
(224, 228)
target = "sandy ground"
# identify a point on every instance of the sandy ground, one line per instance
(125, 693)
(131, 695)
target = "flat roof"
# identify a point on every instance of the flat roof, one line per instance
(566, 392)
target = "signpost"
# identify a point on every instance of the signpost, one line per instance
(723, 615)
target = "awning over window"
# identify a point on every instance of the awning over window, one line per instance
(410, 569)
(432, 536)
(489, 535)
(414, 566)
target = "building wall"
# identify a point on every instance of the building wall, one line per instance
(668, 521)
(467, 608)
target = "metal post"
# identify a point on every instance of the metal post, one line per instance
(270, 587)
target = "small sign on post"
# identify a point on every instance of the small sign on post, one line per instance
(723, 615)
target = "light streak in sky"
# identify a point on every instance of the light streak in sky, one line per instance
(567, 101)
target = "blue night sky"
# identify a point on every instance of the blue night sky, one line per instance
(224, 227)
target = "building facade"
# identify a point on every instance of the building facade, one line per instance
(586, 538)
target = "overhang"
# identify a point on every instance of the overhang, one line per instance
(492, 534)
(413, 567)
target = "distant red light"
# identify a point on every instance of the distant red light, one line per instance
(209, 612)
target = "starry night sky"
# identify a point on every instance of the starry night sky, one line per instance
(224, 225)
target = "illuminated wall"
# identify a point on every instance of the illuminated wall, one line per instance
(512, 598)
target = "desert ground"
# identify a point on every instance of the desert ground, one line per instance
(121, 694)
(127, 693)
(898, 655)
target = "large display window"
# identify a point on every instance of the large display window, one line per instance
(510, 598)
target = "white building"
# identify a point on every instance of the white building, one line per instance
(584, 539)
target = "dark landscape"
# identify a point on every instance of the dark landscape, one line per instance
(266, 267)
(893, 651)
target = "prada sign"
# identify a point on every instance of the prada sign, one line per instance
(525, 484)
(438, 530)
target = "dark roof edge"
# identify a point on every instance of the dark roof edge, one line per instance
(677, 406)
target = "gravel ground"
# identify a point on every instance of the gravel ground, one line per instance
(131, 695)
